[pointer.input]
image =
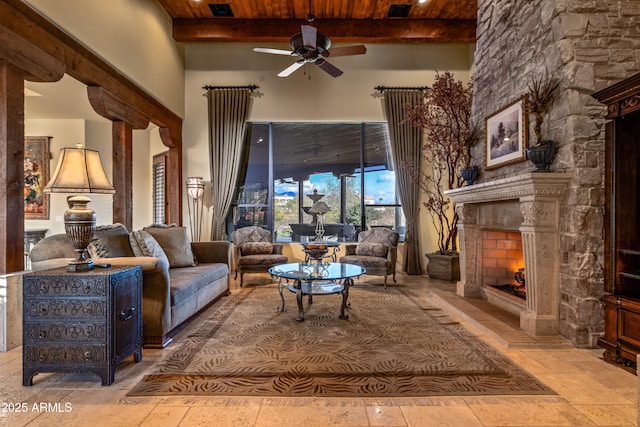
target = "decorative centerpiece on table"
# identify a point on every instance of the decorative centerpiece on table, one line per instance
(316, 251)
(319, 208)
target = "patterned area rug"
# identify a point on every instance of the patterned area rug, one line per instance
(391, 345)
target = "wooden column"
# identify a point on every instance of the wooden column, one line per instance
(11, 168)
(123, 173)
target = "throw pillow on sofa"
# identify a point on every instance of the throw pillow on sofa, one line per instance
(144, 244)
(110, 241)
(175, 243)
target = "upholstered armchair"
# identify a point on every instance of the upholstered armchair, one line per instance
(376, 251)
(254, 251)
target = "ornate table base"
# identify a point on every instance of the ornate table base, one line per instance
(316, 278)
(311, 288)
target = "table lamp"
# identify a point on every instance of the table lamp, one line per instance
(79, 170)
(319, 208)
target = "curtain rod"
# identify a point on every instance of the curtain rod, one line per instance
(381, 88)
(251, 87)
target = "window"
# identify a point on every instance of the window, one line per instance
(347, 166)
(159, 188)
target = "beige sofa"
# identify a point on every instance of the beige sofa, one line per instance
(180, 278)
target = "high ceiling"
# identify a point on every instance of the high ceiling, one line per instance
(444, 21)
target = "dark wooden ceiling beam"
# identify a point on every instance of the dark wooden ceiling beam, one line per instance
(339, 30)
(37, 65)
(113, 108)
(21, 44)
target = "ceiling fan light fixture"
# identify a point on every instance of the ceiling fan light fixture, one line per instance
(323, 42)
(312, 46)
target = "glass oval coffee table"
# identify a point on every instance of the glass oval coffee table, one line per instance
(316, 278)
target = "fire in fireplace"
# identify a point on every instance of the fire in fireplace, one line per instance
(502, 262)
(519, 290)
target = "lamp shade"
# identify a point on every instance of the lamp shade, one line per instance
(319, 208)
(195, 187)
(79, 170)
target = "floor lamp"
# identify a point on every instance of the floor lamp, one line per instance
(195, 190)
(79, 170)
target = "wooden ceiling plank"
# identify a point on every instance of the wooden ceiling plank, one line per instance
(343, 30)
(323, 9)
(241, 9)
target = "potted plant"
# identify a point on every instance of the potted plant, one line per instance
(542, 93)
(445, 118)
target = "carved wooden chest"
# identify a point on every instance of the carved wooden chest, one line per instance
(81, 322)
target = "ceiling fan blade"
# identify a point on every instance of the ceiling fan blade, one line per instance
(332, 70)
(274, 51)
(309, 37)
(348, 50)
(290, 69)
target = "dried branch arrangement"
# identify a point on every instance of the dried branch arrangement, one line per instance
(542, 93)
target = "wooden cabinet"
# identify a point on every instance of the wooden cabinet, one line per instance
(81, 322)
(621, 339)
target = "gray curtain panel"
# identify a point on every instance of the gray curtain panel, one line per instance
(406, 144)
(229, 110)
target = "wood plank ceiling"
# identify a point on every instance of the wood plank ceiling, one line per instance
(443, 21)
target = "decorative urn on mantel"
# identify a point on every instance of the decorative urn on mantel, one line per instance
(470, 174)
(542, 93)
(542, 155)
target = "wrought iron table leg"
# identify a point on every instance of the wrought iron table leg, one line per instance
(280, 286)
(298, 286)
(345, 297)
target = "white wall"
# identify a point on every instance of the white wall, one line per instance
(310, 96)
(142, 176)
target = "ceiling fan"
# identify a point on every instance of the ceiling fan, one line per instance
(313, 47)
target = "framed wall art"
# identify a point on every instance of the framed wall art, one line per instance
(36, 175)
(506, 139)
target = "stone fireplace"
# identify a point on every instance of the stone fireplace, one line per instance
(526, 204)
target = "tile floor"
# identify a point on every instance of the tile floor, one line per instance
(590, 391)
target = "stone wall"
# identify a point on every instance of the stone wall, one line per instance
(588, 45)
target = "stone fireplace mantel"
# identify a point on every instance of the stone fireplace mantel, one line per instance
(529, 203)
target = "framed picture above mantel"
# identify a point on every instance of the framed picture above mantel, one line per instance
(36, 175)
(506, 135)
